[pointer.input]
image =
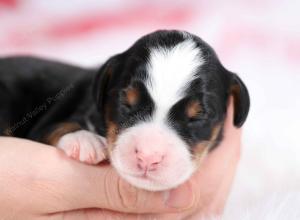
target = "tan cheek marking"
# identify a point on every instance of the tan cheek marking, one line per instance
(59, 131)
(201, 149)
(193, 109)
(112, 130)
(199, 152)
(132, 96)
(111, 136)
(215, 132)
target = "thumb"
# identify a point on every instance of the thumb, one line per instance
(107, 190)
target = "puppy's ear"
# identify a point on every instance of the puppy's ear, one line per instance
(241, 100)
(102, 82)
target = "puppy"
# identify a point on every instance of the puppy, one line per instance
(154, 110)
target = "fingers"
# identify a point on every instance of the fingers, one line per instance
(105, 189)
(116, 194)
(55, 183)
(82, 186)
(96, 214)
(231, 142)
(230, 131)
(230, 112)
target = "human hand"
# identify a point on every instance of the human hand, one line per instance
(40, 182)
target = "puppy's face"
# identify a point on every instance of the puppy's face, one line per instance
(164, 101)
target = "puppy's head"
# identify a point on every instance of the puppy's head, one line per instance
(164, 101)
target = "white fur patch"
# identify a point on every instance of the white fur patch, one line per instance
(175, 168)
(170, 71)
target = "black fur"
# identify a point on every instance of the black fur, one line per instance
(28, 84)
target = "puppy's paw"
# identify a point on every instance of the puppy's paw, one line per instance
(84, 146)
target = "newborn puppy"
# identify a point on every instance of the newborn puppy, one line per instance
(154, 110)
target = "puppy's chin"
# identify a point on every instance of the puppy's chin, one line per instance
(175, 168)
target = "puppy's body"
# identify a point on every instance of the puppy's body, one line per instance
(38, 94)
(156, 108)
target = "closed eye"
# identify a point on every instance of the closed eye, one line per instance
(197, 121)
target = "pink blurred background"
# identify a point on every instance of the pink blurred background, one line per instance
(260, 40)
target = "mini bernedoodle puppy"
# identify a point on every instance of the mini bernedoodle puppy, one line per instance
(153, 111)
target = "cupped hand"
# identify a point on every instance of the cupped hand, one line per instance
(39, 182)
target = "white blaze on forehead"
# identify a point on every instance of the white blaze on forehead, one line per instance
(170, 71)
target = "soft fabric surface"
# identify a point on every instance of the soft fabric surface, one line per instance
(277, 206)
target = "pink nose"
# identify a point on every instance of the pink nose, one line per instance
(148, 162)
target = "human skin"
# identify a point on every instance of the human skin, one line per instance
(39, 182)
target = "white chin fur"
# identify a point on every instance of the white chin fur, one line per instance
(174, 170)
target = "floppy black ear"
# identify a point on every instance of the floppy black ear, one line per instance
(241, 100)
(102, 82)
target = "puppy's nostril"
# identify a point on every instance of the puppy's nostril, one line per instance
(149, 162)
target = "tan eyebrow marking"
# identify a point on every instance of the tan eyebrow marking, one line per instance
(132, 95)
(193, 109)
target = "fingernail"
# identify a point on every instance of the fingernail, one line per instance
(180, 198)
